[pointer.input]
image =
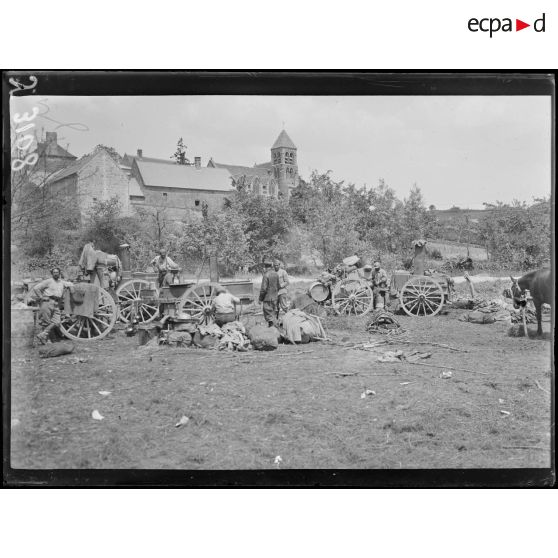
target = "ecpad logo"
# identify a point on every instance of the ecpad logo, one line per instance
(493, 25)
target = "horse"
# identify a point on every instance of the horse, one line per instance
(539, 284)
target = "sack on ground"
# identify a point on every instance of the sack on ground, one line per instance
(56, 349)
(263, 338)
(477, 317)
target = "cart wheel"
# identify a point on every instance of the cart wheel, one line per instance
(197, 300)
(82, 328)
(421, 296)
(352, 296)
(130, 295)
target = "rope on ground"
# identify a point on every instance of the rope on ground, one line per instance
(446, 367)
(442, 345)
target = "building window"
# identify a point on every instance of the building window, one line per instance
(165, 196)
(264, 189)
(197, 203)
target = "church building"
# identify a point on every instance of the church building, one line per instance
(273, 178)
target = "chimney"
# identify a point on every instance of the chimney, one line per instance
(51, 137)
(140, 153)
(197, 162)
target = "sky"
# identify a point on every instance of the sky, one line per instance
(460, 150)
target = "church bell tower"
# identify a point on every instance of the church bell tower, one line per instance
(284, 162)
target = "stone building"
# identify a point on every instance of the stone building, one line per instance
(97, 176)
(147, 182)
(182, 190)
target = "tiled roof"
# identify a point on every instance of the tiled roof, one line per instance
(52, 149)
(127, 160)
(239, 170)
(283, 140)
(268, 165)
(72, 168)
(183, 176)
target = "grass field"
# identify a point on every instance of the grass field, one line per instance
(455, 250)
(302, 403)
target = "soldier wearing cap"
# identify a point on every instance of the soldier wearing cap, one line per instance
(269, 293)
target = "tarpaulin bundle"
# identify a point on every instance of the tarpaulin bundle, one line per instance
(300, 327)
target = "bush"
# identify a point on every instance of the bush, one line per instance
(435, 254)
(60, 256)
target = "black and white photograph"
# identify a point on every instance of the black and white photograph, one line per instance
(224, 280)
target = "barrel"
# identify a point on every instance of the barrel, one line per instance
(318, 291)
(23, 327)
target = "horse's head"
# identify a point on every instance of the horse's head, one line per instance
(517, 294)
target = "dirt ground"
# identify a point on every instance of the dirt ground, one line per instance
(298, 407)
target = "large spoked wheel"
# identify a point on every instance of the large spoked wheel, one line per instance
(197, 301)
(131, 302)
(421, 296)
(98, 326)
(352, 296)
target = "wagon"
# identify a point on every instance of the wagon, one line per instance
(192, 301)
(345, 293)
(419, 293)
(186, 301)
(88, 324)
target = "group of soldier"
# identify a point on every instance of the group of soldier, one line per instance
(273, 292)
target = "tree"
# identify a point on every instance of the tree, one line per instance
(517, 234)
(266, 222)
(331, 219)
(218, 234)
(180, 154)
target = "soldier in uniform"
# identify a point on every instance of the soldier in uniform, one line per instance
(163, 265)
(379, 280)
(269, 293)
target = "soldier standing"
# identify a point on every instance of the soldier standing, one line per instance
(379, 281)
(269, 293)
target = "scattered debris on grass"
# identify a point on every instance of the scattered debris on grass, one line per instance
(96, 415)
(278, 460)
(366, 393)
(446, 374)
(505, 412)
(184, 420)
(104, 393)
